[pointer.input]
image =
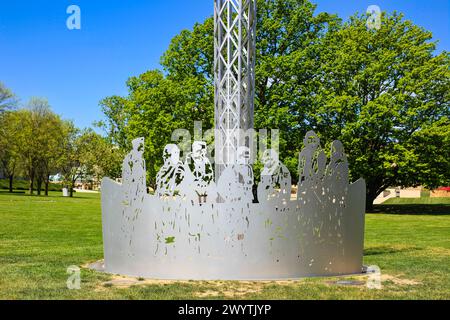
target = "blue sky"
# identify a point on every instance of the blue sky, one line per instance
(75, 69)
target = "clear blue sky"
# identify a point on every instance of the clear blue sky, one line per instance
(75, 69)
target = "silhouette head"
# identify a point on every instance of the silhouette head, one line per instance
(311, 140)
(270, 158)
(198, 150)
(138, 144)
(243, 155)
(171, 154)
(337, 147)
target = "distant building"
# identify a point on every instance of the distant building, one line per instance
(443, 192)
(399, 193)
(418, 192)
(56, 178)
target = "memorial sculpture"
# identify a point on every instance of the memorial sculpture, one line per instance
(209, 221)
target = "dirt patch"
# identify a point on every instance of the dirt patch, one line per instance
(127, 282)
(232, 289)
(208, 294)
(361, 281)
(400, 281)
(236, 289)
(436, 251)
(228, 289)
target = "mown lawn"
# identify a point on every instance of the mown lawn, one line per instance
(40, 237)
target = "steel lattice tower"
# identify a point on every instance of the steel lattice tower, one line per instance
(234, 71)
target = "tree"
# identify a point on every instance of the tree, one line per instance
(88, 156)
(8, 139)
(158, 104)
(99, 157)
(431, 147)
(70, 162)
(51, 133)
(7, 98)
(37, 139)
(10, 127)
(386, 96)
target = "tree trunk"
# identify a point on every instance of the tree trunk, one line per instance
(371, 195)
(47, 183)
(11, 180)
(369, 203)
(39, 186)
(31, 185)
(72, 184)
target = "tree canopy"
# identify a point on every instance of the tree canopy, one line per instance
(383, 93)
(36, 143)
(7, 98)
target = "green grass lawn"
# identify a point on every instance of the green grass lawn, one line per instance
(40, 237)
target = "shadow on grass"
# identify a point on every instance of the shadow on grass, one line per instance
(53, 194)
(388, 250)
(14, 193)
(413, 209)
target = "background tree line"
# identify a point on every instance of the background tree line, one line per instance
(384, 93)
(36, 143)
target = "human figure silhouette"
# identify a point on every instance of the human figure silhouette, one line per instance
(312, 162)
(245, 174)
(134, 188)
(236, 182)
(171, 173)
(337, 170)
(201, 170)
(275, 178)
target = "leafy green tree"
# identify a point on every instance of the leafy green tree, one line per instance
(51, 134)
(385, 95)
(158, 103)
(38, 141)
(10, 127)
(100, 158)
(87, 156)
(7, 98)
(431, 147)
(28, 146)
(70, 163)
(287, 46)
(9, 159)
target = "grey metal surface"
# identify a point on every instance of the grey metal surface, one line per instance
(208, 236)
(234, 71)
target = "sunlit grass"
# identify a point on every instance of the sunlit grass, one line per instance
(40, 237)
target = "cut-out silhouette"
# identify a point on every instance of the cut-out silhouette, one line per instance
(171, 174)
(275, 178)
(201, 174)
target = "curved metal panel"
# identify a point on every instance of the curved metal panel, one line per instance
(204, 226)
(217, 232)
